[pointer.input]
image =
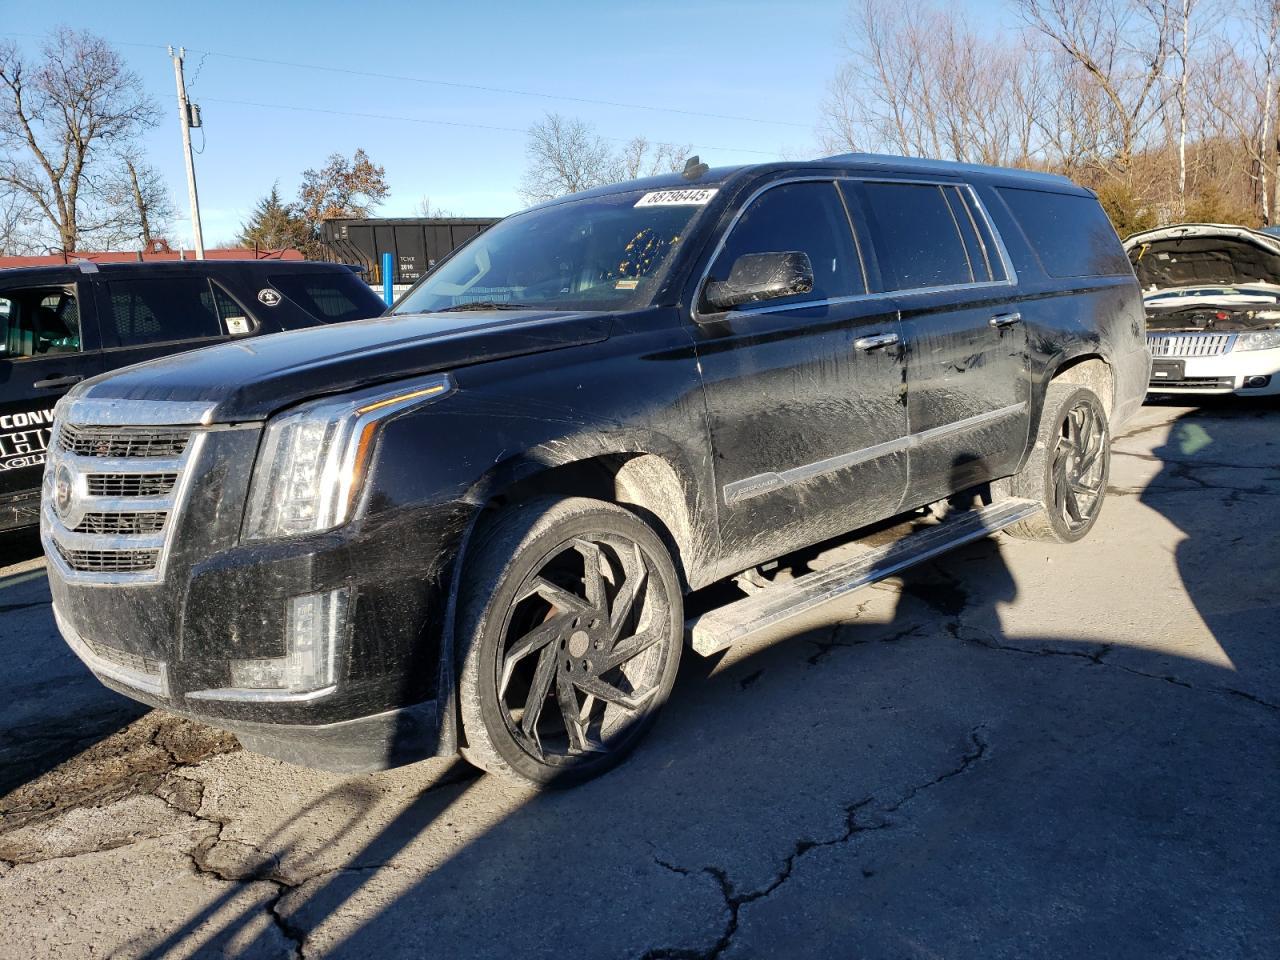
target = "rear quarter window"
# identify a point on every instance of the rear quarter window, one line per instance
(330, 297)
(1070, 234)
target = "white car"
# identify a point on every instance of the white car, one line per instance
(1212, 296)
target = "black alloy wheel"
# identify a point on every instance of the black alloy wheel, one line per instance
(1080, 466)
(1068, 467)
(574, 642)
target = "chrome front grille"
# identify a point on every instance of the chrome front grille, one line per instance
(131, 484)
(122, 442)
(111, 492)
(151, 521)
(1190, 344)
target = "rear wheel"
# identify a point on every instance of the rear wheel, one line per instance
(1068, 467)
(571, 625)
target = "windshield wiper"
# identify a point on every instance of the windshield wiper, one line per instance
(486, 305)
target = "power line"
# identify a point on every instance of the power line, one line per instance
(510, 91)
(443, 123)
(504, 90)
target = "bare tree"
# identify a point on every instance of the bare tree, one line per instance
(1123, 47)
(1244, 93)
(1165, 107)
(1187, 19)
(17, 216)
(640, 158)
(63, 122)
(428, 209)
(922, 82)
(567, 155)
(144, 206)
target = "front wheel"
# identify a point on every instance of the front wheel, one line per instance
(571, 625)
(1068, 467)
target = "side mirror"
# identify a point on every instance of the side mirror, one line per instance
(761, 276)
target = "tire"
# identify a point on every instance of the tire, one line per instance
(532, 618)
(1068, 467)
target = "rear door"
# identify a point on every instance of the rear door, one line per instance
(46, 347)
(143, 316)
(804, 393)
(968, 383)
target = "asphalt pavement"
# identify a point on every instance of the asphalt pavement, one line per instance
(1018, 750)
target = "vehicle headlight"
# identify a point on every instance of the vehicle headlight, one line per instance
(1258, 340)
(314, 457)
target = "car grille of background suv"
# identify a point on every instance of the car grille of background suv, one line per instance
(1190, 344)
(125, 485)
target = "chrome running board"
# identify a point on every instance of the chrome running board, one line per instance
(724, 626)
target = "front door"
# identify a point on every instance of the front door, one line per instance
(42, 355)
(966, 345)
(804, 394)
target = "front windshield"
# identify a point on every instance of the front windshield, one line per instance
(602, 253)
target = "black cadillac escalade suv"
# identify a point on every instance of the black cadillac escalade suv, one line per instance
(471, 524)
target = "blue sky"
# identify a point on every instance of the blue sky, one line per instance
(747, 58)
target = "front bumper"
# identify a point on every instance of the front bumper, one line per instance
(357, 745)
(1226, 373)
(168, 644)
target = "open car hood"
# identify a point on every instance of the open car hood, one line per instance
(1203, 255)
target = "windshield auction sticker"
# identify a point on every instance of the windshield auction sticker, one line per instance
(677, 198)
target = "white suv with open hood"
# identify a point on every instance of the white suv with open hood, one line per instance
(1212, 296)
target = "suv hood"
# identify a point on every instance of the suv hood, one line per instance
(1203, 255)
(253, 378)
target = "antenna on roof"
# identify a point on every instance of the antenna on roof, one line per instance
(694, 168)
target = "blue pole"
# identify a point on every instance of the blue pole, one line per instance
(388, 294)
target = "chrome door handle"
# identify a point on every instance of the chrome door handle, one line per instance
(1006, 319)
(54, 382)
(876, 342)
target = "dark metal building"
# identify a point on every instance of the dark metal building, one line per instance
(416, 242)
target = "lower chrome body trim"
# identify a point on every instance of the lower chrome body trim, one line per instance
(252, 695)
(763, 483)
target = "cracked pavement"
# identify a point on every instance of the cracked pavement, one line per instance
(1017, 750)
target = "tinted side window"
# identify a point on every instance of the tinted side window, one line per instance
(330, 298)
(808, 217)
(1069, 233)
(235, 320)
(159, 309)
(37, 322)
(917, 239)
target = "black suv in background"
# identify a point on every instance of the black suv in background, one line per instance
(63, 324)
(471, 524)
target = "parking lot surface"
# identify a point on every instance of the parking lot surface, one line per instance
(1017, 750)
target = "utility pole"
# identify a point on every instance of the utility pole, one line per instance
(184, 121)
